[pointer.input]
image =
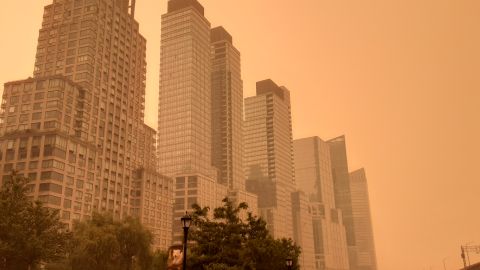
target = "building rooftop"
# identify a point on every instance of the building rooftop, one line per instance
(174, 5)
(337, 139)
(219, 34)
(268, 86)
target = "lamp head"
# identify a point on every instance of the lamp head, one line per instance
(289, 261)
(186, 221)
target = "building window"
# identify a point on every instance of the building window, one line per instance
(8, 167)
(33, 165)
(49, 199)
(20, 166)
(50, 124)
(66, 215)
(50, 187)
(36, 116)
(32, 176)
(35, 125)
(49, 175)
(68, 192)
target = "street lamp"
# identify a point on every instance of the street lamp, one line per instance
(186, 222)
(289, 263)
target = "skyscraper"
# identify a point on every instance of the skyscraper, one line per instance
(363, 221)
(227, 110)
(227, 117)
(269, 155)
(185, 109)
(76, 129)
(343, 196)
(313, 176)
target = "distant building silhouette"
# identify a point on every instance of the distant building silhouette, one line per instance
(343, 196)
(366, 258)
(313, 176)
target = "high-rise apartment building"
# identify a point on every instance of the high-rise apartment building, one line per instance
(227, 110)
(269, 155)
(313, 176)
(76, 129)
(366, 258)
(185, 97)
(185, 109)
(227, 117)
(343, 195)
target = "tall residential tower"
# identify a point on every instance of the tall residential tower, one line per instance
(185, 109)
(227, 117)
(227, 110)
(76, 129)
(269, 155)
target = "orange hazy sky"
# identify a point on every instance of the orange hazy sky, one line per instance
(401, 78)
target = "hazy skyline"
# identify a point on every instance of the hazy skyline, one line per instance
(399, 78)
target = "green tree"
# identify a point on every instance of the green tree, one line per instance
(103, 243)
(134, 241)
(227, 242)
(159, 261)
(29, 232)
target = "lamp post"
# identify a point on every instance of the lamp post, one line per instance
(289, 263)
(186, 222)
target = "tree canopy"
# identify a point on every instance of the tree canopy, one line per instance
(229, 243)
(104, 243)
(29, 232)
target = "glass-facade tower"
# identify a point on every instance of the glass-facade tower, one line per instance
(313, 176)
(269, 155)
(227, 110)
(184, 112)
(366, 258)
(343, 196)
(185, 109)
